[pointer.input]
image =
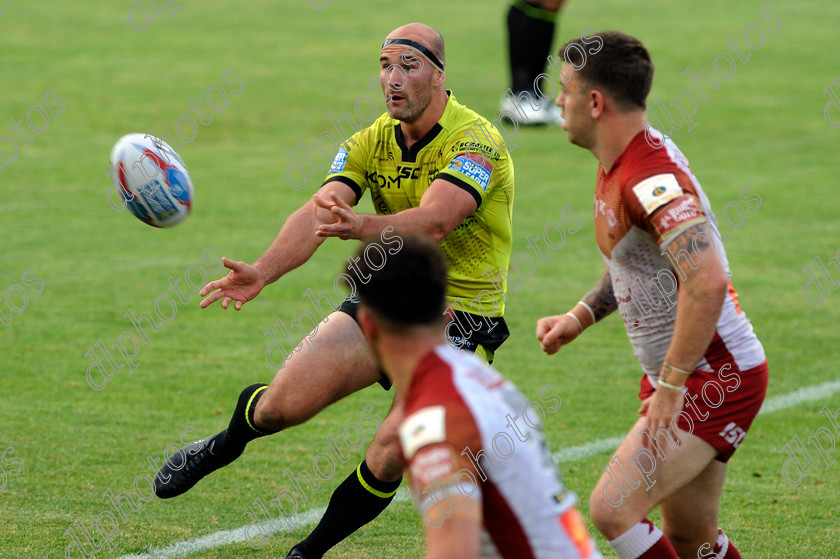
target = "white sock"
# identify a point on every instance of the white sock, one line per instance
(722, 545)
(635, 541)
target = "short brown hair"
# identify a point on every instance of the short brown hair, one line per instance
(622, 66)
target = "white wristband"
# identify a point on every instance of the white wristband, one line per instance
(580, 326)
(669, 385)
(591, 312)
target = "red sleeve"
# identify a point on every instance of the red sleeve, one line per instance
(433, 440)
(662, 202)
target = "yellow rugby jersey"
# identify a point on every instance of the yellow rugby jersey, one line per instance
(462, 148)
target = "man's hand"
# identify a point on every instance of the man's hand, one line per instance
(553, 332)
(347, 223)
(243, 283)
(661, 407)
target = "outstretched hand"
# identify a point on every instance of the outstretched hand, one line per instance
(347, 223)
(243, 283)
(553, 332)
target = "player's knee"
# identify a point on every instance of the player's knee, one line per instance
(384, 458)
(389, 466)
(267, 414)
(606, 518)
(278, 410)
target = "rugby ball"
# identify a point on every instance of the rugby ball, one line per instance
(152, 179)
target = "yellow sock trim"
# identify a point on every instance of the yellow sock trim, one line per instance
(248, 407)
(534, 12)
(485, 354)
(371, 489)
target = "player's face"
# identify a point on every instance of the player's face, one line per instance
(406, 78)
(574, 102)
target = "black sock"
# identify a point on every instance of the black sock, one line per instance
(352, 505)
(242, 428)
(530, 33)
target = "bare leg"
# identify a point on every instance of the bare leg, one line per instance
(338, 365)
(365, 493)
(384, 456)
(690, 516)
(614, 510)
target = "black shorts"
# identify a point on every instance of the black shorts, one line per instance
(485, 335)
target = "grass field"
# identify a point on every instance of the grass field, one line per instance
(763, 127)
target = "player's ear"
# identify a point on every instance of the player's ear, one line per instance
(367, 324)
(440, 77)
(597, 103)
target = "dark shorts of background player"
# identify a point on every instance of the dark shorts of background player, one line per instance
(726, 424)
(488, 337)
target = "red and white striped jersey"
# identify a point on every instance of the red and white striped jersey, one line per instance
(648, 198)
(472, 440)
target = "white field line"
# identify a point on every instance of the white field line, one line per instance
(571, 454)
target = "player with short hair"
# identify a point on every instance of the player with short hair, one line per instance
(433, 167)
(455, 408)
(668, 275)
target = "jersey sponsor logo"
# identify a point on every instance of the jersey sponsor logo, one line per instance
(388, 157)
(403, 172)
(733, 434)
(424, 427)
(470, 147)
(657, 190)
(339, 162)
(433, 464)
(473, 166)
(678, 213)
(600, 206)
(611, 219)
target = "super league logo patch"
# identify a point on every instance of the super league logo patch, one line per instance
(473, 166)
(339, 161)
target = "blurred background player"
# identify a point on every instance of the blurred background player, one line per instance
(530, 26)
(429, 172)
(668, 276)
(474, 502)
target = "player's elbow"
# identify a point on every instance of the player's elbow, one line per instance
(438, 234)
(710, 287)
(717, 283)
(316, 212)
(438, 229)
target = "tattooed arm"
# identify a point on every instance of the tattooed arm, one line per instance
(553, 332)
(703, 285)
(601, 299)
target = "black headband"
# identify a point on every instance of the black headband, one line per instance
(414, 44)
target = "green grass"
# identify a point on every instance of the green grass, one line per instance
(763, 127)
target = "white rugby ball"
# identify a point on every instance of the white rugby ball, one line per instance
(153, 180)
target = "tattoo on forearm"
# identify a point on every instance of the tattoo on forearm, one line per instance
(689, 248)
(602, 298)
(694, 239)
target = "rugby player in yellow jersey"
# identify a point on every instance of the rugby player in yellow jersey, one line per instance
(433, 167)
